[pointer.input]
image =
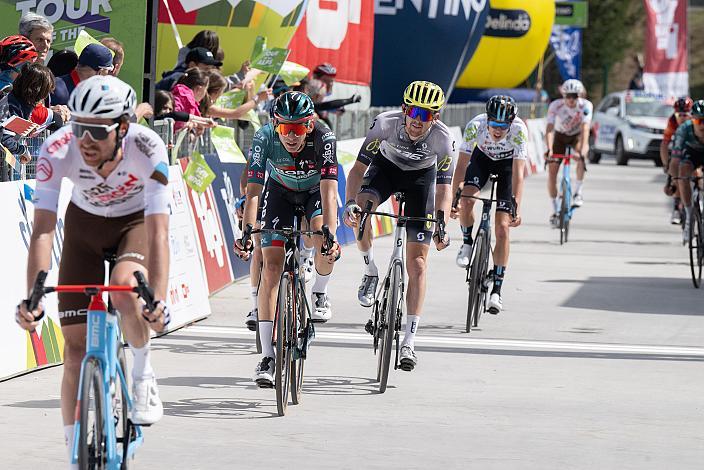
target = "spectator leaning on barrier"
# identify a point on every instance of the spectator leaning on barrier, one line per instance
(119, 54)
(206, 39)
(217, 86)
(199, 57)
(95, 59)
(189, 91)
(164, 108)
(30, 89)
(40, 31)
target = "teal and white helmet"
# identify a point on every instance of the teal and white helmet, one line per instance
(294, 106)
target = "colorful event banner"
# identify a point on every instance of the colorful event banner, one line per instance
(124, 20)
(237, 22)
(666, 64)
(566, 41)
(341, 33)
(447, 30)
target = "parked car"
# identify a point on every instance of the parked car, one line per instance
(629, 124)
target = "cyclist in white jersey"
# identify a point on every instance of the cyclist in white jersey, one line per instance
(494, 143)
(568, 120)
(120, 206)
(407, 151)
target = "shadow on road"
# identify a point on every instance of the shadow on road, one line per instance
(205, 345)
(635, 295)
(336, 385)
(36, 404)
(220, 408)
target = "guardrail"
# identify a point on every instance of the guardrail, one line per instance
(347, 125)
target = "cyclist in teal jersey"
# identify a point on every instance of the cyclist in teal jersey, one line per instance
(299, 154)
(689, 148)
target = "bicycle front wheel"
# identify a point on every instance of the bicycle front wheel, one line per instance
(299, 332)
(91, 438)
(564, 213)
(696, 250)
(389, 324)
(474, 282)
(284, 314)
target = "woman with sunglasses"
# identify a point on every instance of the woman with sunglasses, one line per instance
(671, 166)
(689, 148)
(120, 204)
(494, 143)
(407, 151)
(568, 120)
(299, 153)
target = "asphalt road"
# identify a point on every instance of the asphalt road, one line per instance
(596, 362)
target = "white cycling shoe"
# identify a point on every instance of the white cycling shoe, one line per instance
(148, 408)
(578, 200)
(251, 320)
(264, 373)
(463, 255)
(322, 310)
(495, 303)
(408, 358)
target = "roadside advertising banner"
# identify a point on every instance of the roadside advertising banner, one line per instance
(341, 33)
(566, 41)
(124, 20)
(666, 64)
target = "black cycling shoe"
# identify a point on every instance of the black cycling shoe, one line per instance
(369, 327)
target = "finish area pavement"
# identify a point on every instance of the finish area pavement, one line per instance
(596, 362)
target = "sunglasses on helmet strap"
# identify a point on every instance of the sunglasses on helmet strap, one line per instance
(96, 132)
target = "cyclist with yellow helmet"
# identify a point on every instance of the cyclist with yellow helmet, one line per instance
(409, 151)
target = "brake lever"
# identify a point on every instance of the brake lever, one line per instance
(37, 293)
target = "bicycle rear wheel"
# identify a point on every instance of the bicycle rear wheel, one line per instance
(564, 213)
(696, 250)
(389, 324)
(284, 314)
(299, 332)
(91, 438)
(474, 282)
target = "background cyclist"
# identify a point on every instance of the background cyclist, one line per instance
(689, 148)
(671, 166)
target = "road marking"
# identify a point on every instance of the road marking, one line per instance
(322, 335)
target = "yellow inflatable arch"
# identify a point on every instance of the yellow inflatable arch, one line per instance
(515, 37)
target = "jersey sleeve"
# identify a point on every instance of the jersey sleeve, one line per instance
(470, 136)
(447, 158)
(552, 113)
(680, 141)
(157, 197)
(372, 143)
(588, 112)
(51, 167)
(258, 156)
(328, 152)
(669, 132)
(519, 139)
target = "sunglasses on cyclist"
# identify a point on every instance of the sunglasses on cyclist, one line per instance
(499, 125)
(698, 121)
(95, 131)
(571, 96)
(298, 128)
(414, 112)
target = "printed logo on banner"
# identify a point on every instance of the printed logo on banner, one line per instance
(452, 8)
(666, 28)
(507, 23)
(567, 44)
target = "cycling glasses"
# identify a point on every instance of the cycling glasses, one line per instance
(298, 128)
(95, 131)
(500, 125)
(414, 112)
(698, 121)
(571, 96)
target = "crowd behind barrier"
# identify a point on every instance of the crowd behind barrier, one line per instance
(348, 125)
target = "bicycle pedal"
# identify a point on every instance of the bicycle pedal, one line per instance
(493, 310)
(262, 383)
(407, 365)
(369, 327)
(318, 320)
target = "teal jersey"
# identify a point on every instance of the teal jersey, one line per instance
(298, 172)
(686, 141)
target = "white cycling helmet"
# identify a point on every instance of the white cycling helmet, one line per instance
(572, 86)
(102, 96)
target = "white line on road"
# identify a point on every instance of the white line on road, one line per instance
(356, 338)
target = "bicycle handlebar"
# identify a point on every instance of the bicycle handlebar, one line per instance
(439, 220)
(288, 232)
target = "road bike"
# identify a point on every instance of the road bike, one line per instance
(695, 240)
(293, 328)
(104, 435)
(479, 278)
(389, 299)
(565, 194)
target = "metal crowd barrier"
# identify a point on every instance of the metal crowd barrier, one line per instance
(180, 144)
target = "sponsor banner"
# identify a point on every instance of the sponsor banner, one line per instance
(123, 20)
(237, 22)
(339, 32)
(572, 13)
(226, 190)
(450, 30)
(515, 36)
(666, 65)
(211, 240)
(536, 145)
(567, 43)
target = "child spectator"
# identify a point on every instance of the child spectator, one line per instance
(189, 91)
(30, 89)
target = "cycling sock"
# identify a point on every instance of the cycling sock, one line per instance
(578, 186)
(254, 293)
(266, 329)
(556, 205)
(688, 211)
(68, 439)
(320, 286)
(467, 234)
(499, 272)
(142, 367)
(412, 322)
(370, 268)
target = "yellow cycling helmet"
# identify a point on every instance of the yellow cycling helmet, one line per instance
(426, 95)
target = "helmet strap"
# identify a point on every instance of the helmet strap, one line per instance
(118, 143)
